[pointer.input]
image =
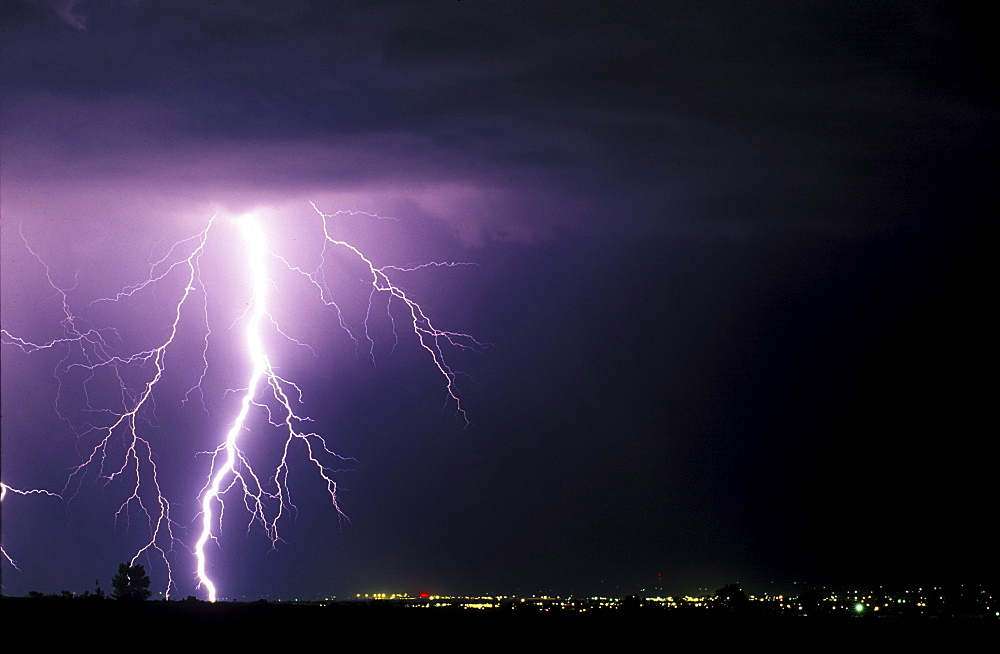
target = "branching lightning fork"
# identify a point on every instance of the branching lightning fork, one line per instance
(17, 491)
(116, 447)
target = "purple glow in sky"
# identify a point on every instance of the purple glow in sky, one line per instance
(731, 259)
(108, 389)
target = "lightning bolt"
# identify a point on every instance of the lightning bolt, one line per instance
(17, 491)
(91, 351)
(119, 451)
(225, 473)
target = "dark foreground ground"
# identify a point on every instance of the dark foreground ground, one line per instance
(52, 622)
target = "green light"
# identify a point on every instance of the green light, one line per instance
(859, 608)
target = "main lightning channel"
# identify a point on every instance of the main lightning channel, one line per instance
(225, 475)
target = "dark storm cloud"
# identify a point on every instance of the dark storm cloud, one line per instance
(805, 116)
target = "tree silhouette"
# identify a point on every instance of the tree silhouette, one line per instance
(732, 599)
(131, 583)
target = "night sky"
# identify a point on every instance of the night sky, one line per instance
(731, 268)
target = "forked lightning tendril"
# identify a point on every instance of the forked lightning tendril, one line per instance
(17, 491)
